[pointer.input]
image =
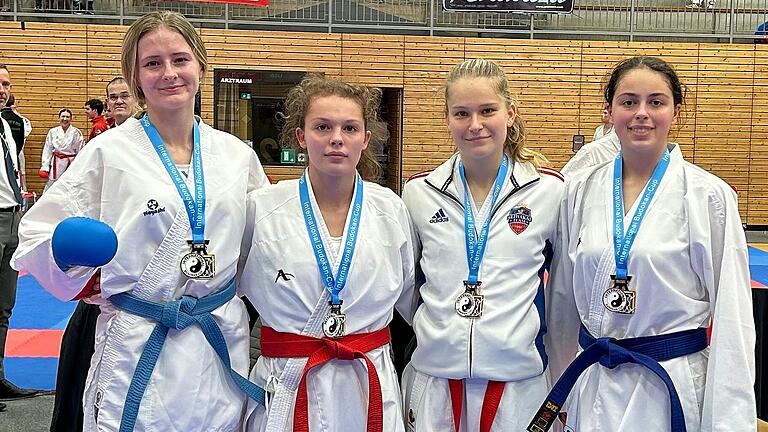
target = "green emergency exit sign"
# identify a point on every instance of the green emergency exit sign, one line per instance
(287, 156)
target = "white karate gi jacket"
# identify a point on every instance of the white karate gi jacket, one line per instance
(601, 132)
(594, 153)
(381, 278)
(507, 342)
(689, 267)
(58, 140)
(119, 179)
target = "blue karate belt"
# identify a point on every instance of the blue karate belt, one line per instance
(177, 315)
(647, 351)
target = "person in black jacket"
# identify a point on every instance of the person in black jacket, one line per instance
(16, 122)
(9, 220)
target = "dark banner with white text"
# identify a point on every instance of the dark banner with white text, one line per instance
(525, 6)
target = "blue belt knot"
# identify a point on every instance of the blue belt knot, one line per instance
(612, 354)
(177, 315)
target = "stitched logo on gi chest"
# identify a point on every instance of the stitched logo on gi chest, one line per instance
(283, 275)
(153, 208)
(519, 218)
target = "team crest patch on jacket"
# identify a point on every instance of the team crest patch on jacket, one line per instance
(519, 218)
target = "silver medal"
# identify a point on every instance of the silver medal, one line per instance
(469, 304)
(335, 322)
(619, 298)
(197, 264)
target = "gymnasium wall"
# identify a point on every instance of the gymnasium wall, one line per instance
(557, 83)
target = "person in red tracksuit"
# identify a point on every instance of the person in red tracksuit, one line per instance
(93, 110)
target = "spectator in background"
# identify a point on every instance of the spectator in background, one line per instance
(93, 110)
(20, 133)
(120, 100)
(594, 153)
(110, 119)
(62, 144)
(27, 123)
(10, 198)
(605, 128)
(20, 125)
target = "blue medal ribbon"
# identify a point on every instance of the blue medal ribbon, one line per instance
(474, 242)
(334, 285)
(195, 207)
(622, 243)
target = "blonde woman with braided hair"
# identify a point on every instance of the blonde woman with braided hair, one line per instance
(485, 223)
(330, 258)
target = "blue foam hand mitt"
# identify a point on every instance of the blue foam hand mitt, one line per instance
(80, 241)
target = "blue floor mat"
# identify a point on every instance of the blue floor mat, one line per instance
(37, 309)
(29, 372)
(758, 265)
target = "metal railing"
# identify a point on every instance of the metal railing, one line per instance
(721, 20)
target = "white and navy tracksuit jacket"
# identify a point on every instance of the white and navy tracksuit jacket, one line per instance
(507, 342)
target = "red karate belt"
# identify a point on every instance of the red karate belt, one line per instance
(320, 351)
(60, 155)
(491, 401)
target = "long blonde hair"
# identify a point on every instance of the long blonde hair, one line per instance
(315, 86)
(515, 143)
(149, 23)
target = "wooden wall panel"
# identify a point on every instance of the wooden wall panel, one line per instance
(426, 141)
(557, 84)
(103, 57)
(724, 115)
(379, 65)
(757, 202)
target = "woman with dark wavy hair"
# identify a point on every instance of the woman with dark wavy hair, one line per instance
(653, 252)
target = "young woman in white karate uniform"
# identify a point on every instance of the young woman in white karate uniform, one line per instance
(172, 337)
(652, 253)
(330, 259)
